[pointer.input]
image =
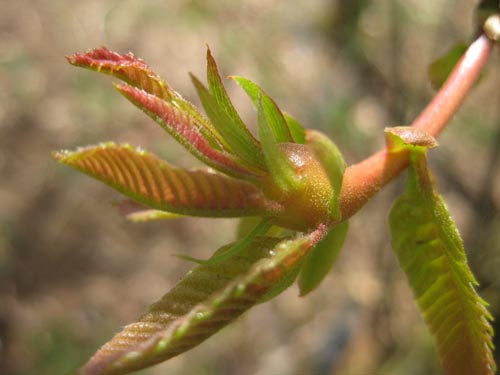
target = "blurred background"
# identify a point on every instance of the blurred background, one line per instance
(72, 271)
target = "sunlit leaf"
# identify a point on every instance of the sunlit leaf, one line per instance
(296, 129)
(137, 73)
(240, 141)
(207, 299)
(431, 252)
(184, 129)
(273, 114)
(278, 164)
(218, 91)
(321, 259)
(158, 185)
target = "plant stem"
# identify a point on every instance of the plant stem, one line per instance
(364, 179)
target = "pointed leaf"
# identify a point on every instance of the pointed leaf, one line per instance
(183, 128)
(321, 259)
(296, 129)
(259, 230)
(273, 114)
(137, 73)
(431, 252)
(278, 165)
(207, 299)
(153, 182)
(239, 140)
(218, 91)
(333, 164)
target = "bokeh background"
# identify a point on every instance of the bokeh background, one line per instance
(72, 271)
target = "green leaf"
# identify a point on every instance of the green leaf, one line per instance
(322, 258)
(218, 91)
(273, 114)
(296, 129)
(239, 140)
(439, 70)
(278, 165)
(430, 251)
(259, 230)
(208, 298)
(154, 183)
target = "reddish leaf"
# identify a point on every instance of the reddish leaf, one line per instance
(156, 184)
(207, 299)
(185, 129)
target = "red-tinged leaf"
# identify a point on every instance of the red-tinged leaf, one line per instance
(185, 130)
(137, 73)
(207, 299)
(128, 68)
(156, 184)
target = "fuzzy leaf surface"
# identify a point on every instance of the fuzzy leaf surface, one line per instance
(205, 300)
(137, 73)
(431, 253)
(156, 184)
(183, 127)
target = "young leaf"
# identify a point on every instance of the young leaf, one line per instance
(218, 91)
(273, 114)
(184, 129)
(296, 129)
(259, 230)
(322, 258)
(153, 182)
(332, 162)
(240, 141)
(207, 299)
(137, 73)
(431, 252)
(278, 165)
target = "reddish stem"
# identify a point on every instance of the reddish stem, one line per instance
(363, 180)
